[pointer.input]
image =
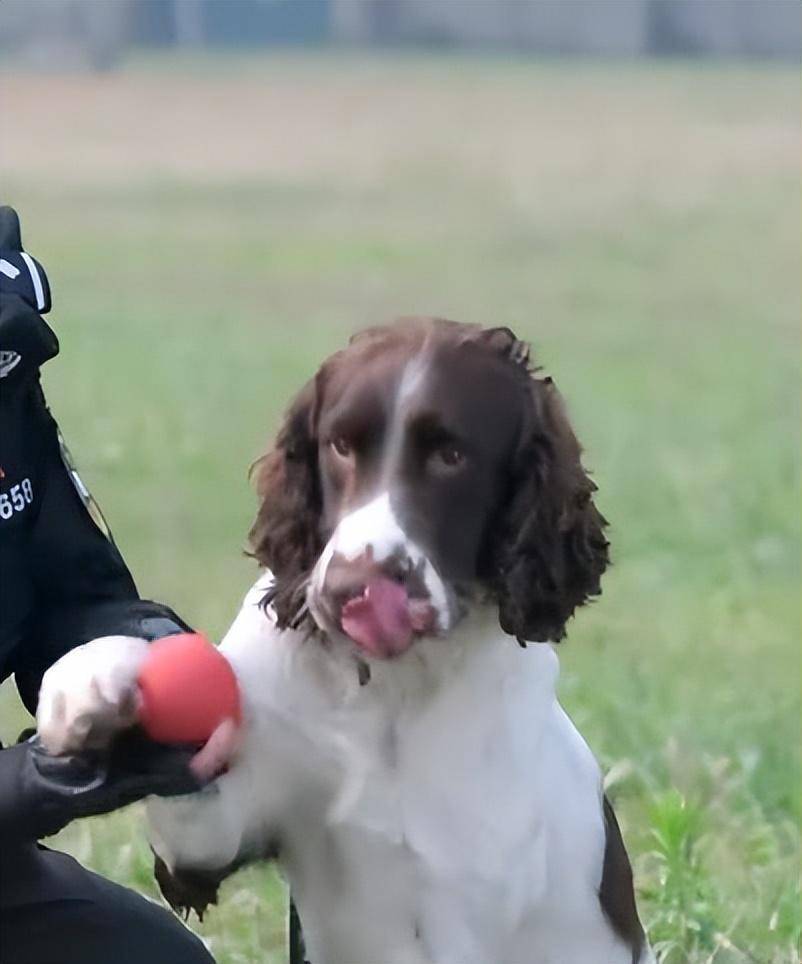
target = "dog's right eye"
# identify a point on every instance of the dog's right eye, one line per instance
(342, 446)
(446, 459)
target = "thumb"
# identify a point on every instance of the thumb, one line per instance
(213, 758)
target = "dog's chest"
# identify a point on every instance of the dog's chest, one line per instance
(444, 778)
(434, 803)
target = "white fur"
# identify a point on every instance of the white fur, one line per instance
(447, 812)
(409, 387)
(89, 693)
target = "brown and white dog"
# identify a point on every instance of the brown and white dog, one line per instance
(423, 512)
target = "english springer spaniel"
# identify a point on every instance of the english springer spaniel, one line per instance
(424, 516)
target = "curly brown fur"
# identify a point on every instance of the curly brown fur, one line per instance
(285, 536)
(548, 550)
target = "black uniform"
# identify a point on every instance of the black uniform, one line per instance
(62, 583)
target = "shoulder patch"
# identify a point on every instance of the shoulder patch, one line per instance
(8, 361)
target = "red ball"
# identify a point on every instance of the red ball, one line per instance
(187, 688)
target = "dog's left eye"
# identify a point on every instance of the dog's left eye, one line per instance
(342, 446)
(447, 458)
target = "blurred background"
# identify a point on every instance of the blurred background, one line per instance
(99, 32)
(223, 190)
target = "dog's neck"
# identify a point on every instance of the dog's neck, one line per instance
(477, 650)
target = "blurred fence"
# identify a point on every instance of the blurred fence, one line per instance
(96, 32)
(606, 27)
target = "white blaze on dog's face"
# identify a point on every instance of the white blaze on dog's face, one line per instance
(422, 468)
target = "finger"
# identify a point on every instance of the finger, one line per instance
(213, 758)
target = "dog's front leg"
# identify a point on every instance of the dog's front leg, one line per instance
(199, 839)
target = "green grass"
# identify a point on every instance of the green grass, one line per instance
(639, 224)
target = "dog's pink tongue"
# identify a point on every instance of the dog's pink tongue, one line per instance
(379, 620)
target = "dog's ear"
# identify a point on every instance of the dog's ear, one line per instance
(503, 341)
(550, 550)
(286, 537)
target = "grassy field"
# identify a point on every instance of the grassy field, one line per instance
(213, 228)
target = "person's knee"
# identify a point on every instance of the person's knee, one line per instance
(118, 926)
(158, 936)
(78, 917)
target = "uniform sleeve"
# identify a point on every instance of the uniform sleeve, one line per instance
(82, 586)
(40, 794)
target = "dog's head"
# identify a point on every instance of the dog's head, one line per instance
(424, 469)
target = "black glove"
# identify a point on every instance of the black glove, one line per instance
(40, 794)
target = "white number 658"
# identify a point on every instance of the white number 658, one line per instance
(20, 496)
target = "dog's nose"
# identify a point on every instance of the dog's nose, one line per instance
(347, 578)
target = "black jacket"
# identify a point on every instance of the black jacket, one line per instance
(62, 579)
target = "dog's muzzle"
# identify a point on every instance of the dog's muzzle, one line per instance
(373, 585)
